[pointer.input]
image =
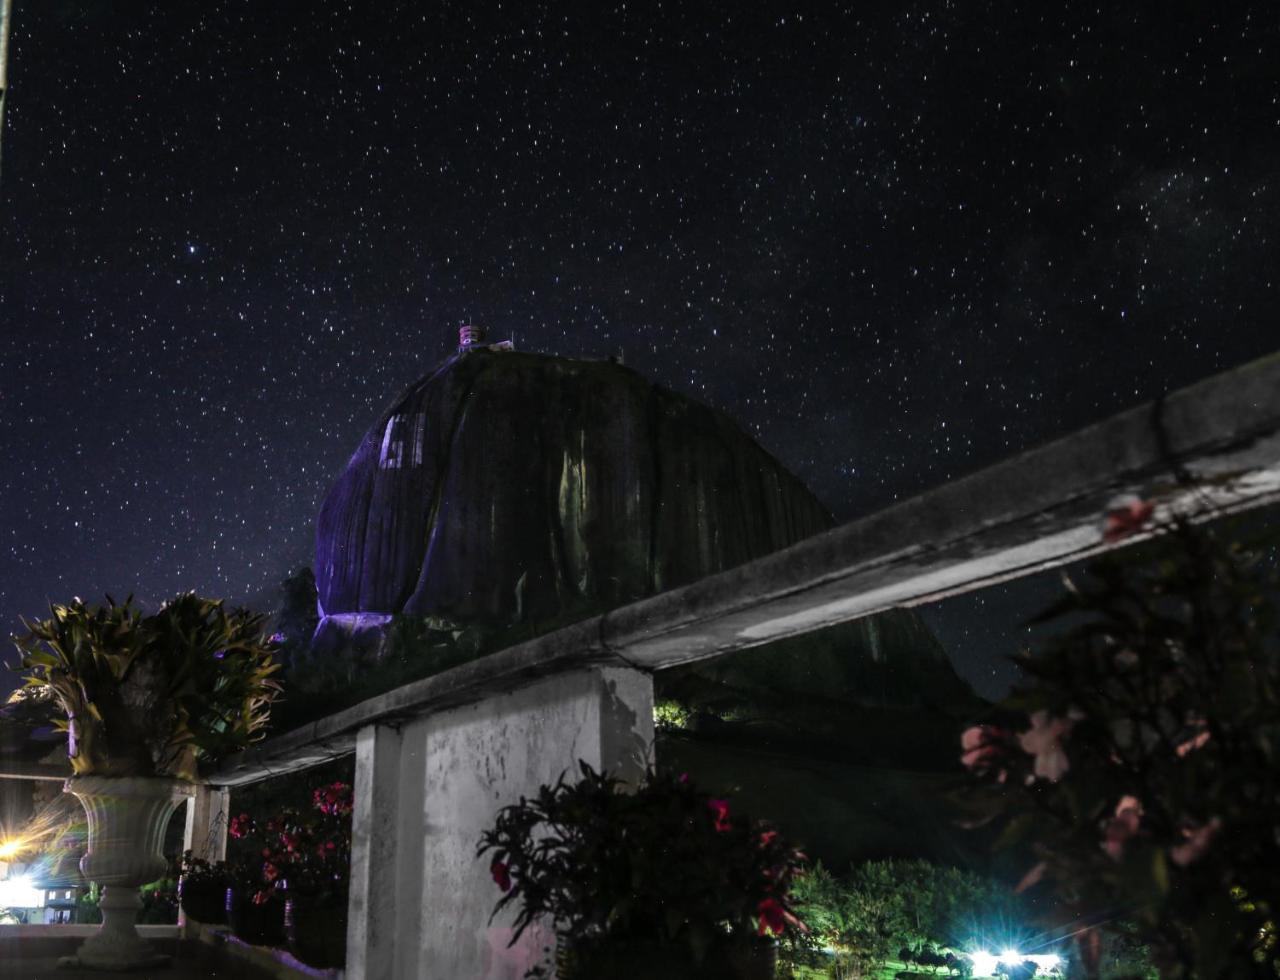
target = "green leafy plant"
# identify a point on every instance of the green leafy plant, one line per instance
(1141, 762)
(665, 865)
(879, 910)
(152, 695)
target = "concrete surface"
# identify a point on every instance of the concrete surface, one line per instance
(38, 960)
(420, 900)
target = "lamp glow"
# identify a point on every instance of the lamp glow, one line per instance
(10, 848)
(984, 964)
(21, 893)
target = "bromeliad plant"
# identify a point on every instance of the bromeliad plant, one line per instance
(152, 695)
(665, 865)
(1141, 763)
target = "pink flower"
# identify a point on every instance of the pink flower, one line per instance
(1126, 516)
(1126, 660)
(720, 810)
(1044, 741)
(1124, 825)
(240, 826)
(1197, 842)
(260, 897)
(501, 874)
(270, 871)
(981, 747)
(768, 837)
(1032, 877)
(1196, 741)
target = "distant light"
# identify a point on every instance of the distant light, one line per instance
(19, 893)
(984, 964)
(10, 848)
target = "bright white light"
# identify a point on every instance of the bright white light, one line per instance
(19, 893)
(984, 964)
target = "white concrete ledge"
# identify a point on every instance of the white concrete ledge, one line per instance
(1214, 445)
(42, 930)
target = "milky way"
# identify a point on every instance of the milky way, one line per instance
(896, 241)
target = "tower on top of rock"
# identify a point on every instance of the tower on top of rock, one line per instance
(472, 336)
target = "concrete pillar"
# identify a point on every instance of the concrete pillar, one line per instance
(379, 844)
(420, 900)
(207, 816)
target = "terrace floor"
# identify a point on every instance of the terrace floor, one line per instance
(193, 958)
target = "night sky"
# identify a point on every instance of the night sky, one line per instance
(896, 241)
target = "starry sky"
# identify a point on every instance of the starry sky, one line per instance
(898, 241)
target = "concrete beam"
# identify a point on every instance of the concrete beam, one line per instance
(15, 769)
(1210, 449)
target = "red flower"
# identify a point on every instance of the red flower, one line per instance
(720, 810)
(290, 841)
(772, 915)
(501, 874)
(240, 826)
(768, 837)
(334, 799)
(270, 871)
(1125, 517)
(260, 897)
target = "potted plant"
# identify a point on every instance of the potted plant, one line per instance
(313, 854)
(664, 881)
(202, 889)
(145, 700)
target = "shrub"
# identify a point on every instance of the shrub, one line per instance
(666, 864)
(1140, 761)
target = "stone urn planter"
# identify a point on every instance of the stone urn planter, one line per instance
(128, 816)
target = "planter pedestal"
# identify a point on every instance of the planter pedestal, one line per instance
(127, 819)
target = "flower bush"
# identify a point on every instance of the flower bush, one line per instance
(299, 853)
(1141, 762)
(665, 865)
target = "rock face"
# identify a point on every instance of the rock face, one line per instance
(510, 492)
(517, 488)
